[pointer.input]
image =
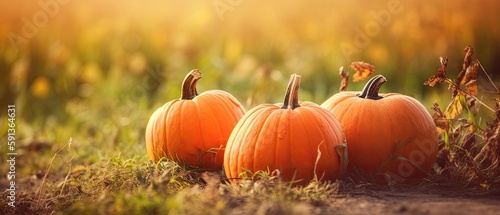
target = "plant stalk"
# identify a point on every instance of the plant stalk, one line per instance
(188, 90)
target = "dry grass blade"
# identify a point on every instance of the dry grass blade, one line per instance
(345, 79)
(363, 70)
(318, 157)
(468, 143)
(489, 78)
(489, 156)
(40, 188)
(440, 75)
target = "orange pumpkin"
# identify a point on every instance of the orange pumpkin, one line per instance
(387, 134)
(300, 139)
(194, 129)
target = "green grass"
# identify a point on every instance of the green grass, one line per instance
(137, 186)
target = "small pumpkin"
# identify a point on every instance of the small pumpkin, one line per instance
(194, 129)
(387, 134)
(300, 139)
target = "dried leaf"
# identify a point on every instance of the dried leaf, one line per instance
(454, 108)
(468, 57)
(440, 75)
(363, 70)
(467, 61)
(470, 79)
(439, 118)
(345, 79)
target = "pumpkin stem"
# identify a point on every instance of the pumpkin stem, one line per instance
(370, 91)
(291, 100)
(188, 90)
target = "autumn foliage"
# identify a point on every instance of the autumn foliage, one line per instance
(468, 152)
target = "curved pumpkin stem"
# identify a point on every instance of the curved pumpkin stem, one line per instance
(370, 91)
(291, 100)
(188, 90)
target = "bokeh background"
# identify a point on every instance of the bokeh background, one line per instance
(94, 71)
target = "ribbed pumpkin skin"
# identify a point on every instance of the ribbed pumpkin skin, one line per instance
(269, 137)
(193, 132)
(382, 135)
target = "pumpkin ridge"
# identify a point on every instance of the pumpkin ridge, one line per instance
(389, 132)
(277, 136)
(150, 138)
(224, 100)
(305, 125)
(169, 124)
(228, 106)
(174, 153)
(383, 117)
(261, 134)
(231, 150)
(312, 145)
(204, 143)
(165, 125)
(280, 161)
(244, 147)
(269, 113)
(219, 115)
(277, 117)
(250, 154)
(323, 112)
(160, 147)
(400, 150)
(187, 146)
(222, 97)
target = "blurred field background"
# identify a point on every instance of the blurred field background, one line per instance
(94, 70)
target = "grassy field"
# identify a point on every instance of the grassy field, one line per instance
(86, 76)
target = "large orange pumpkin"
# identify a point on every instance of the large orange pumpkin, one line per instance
(300, 139)
(194, 129)
(387, 134)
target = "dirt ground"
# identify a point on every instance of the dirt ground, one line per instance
(370, 198)
(422, 199)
